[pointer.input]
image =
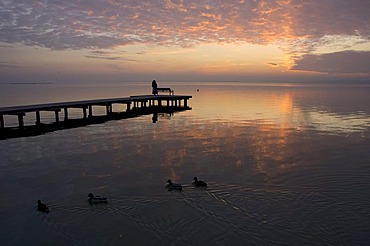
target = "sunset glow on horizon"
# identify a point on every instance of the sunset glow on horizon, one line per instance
(181, 40)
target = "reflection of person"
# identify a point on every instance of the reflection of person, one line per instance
(154, 87)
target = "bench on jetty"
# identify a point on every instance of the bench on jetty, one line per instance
(139, 102)
(163, 89)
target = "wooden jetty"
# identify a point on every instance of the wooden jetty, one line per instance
(142, 104)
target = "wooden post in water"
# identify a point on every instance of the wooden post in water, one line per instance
(38, 118)
(84, 112)
(90, 111)
(108, 109)
(2, 125)
(20, 120)
(56, 111)
(65, 114)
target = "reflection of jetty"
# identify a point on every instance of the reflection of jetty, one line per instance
(135, 106)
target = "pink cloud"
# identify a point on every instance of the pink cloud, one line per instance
(77, 24)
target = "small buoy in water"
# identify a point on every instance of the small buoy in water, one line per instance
(197, 89)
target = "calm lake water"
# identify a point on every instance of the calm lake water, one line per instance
(286, 164)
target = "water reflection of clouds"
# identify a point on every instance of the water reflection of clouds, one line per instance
(264, 130)
(336, 123)
(285, 108)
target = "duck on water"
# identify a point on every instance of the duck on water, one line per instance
(97, 199)
(42, 207)
(173, 186)
(199, 183)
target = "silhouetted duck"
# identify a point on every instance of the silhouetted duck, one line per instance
(173, 186)
(42, 207)
(97, 199)
(199, 183)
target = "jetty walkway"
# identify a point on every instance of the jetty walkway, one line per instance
(135, 105)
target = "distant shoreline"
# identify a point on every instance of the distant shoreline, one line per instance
(29, 83)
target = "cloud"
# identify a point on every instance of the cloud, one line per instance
(107, 55)
(102, 24)
(335, 63)
(272, 64)
(12, 65)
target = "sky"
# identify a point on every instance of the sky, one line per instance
(50, 41)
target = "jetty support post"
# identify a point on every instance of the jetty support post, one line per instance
(2, 125)
(56, 111)
(90, 111)
(65, 114)
(84, 112)
(20, 120)
(38, 118)
(185, 103)
(108, 109)
(128, 107)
